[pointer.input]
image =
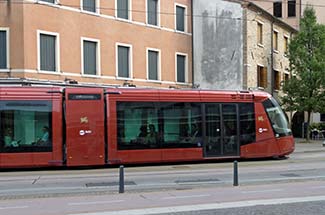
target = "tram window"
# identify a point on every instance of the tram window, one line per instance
(181, 125)
(247, 123)
(25, 126)
(137, 125)
(145, 125)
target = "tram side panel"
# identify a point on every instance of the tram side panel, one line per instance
(265, 145)
(85, 142)
(31, 127)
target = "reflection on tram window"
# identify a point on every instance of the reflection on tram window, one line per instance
(247, 123)
(147, 125)
(25, 126)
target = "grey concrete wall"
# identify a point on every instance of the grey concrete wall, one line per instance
(218, 44)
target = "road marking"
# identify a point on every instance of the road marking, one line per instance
(262, 191)
(200, 207)
(185, 197)
(318, 187)
(94, 203)
(13, 207)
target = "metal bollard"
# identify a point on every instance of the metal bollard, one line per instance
(121, 187)
(235, 173)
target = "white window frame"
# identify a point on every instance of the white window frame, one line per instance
(57, 49)
(278, 34)
(130, 61)
(158, 15)
(97, 2)
(98, 62)
(130, 11)
(186, 67)
(185, 17)
(285, 36)
(6, 29)
(158, 66)
(262, 35)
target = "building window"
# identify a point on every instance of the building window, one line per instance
(123, 61)
(259, 33)
(322, 117)
(4, 49)
(90, 49)
(123, 9)
(152, 12)
(89, 5)
(181, 68)
(292, 8)
(275, 41)
(153, 65)
(180, 18)
(48, 51)
(286, 76)
(277, 79)
(277, 9)
(262, 76)
(285, 44)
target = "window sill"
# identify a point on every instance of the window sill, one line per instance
(154, 81)
(260, 45)
(276, 51)
(123, 20)
(49, 72)
(90, 76)
(183, 83)
(123, 79)
(153, 26)
(90, 12)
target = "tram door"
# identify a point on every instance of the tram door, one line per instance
(221, 130)
(84, 113)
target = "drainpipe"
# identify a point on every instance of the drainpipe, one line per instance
(192, 52)
(245, 49)
(272, 56)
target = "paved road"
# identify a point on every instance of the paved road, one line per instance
(174, 189)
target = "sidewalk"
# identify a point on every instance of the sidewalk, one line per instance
(311, 146)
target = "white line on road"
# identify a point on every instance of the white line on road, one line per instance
(200, 207)
(318, 187)
(262, 191)
(13, 207)
(185, 197)
(94, 203)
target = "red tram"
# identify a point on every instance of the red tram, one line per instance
(84, 126)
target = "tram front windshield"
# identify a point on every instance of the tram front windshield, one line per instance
(277, 118)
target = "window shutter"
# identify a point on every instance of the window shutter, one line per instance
(180, 18)
(3, 50)
(123, 62)
(264, 77)
(152, 12)
(90, 58)
(47, 52)
(153, 65)
(123, 9)
(180, 68)
(89, 5)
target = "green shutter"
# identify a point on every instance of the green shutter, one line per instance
(47, 52)
(90, 58)
(123, 62)
(3, 50)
